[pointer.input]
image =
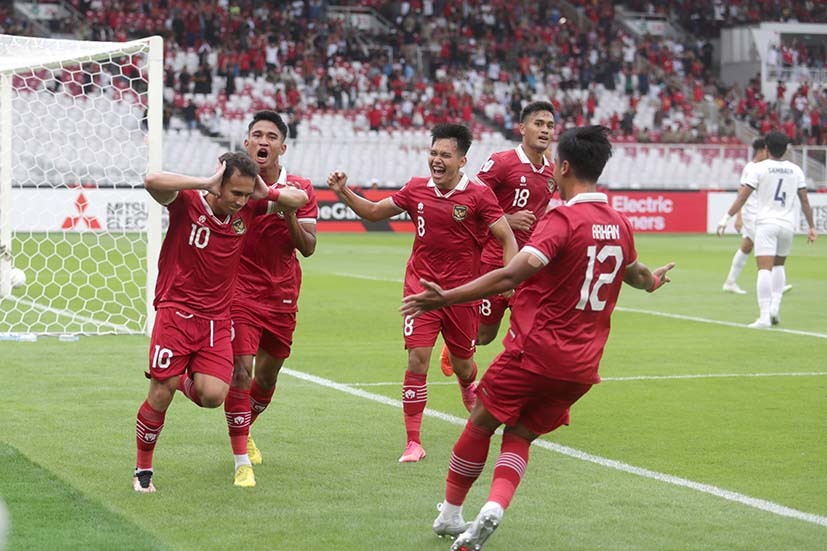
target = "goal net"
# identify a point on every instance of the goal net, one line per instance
(80, 126)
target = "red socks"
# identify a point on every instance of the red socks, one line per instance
(259, 399)
(187, 387)
(414, 398)
(467, 461)
(147, 428)
(237, 412)
(510, 469)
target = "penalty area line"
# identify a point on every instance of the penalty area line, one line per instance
(761, 504)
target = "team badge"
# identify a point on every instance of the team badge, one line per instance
(238, 226)
(460, 212)
(550, 184)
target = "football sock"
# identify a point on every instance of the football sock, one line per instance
(763, 288)
(260, 398)
(237, 412)
(147, 429)
(509, 470)
(738, 263)
(240, 460)
(779, 280)
(467, 461)
(187, 386)
(414, 398)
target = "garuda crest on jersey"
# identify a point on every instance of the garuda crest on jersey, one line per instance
(460, 212)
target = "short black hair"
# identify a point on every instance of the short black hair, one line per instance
(240, 162)
(459, 132)
(758, 145)
(777, 143)
(587, 149)
(272, 116)
(535, 106)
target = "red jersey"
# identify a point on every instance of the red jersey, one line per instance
(199, 258)
(270, 275)
(560, 316)
(450, 227)
(518, 185)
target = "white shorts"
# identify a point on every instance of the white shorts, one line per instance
(772, 240)
(748, 228)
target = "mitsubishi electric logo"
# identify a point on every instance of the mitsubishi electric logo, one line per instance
(73, 222)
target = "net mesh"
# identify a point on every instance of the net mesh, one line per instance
(75, 224)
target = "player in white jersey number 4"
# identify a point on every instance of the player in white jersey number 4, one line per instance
(776, 183)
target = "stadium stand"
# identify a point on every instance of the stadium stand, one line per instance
(382, 69)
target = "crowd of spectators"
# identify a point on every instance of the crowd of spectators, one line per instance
(437, 60)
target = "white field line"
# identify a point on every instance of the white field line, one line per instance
(636, 311)
(642, 378)
(756, 503)
(68, 314)
(717, 322)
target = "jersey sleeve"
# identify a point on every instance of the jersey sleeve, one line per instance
(402, 198)
(631, 253)
(490, 208)
(310, 211)
(750, 178)
(802, 182)
(745, 174)
(490, 173)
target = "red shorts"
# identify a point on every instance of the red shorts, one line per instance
(458, 324)
(513, 395)
(492, 309)
(184, 342)
(272, 332)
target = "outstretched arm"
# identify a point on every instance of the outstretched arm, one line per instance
(364, 208)
(640, 277)
(521, 267)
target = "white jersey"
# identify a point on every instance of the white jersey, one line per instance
(750, 208)
(776, 183)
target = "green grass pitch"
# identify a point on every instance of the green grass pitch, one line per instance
(703, 435)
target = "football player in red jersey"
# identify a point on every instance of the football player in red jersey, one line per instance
(190, 348)
(266, 295)
(577, 258)
(522, 179)
(453, 217)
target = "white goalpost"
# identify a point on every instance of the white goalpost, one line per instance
(80, 126)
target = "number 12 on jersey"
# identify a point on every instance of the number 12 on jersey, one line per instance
(592, 284)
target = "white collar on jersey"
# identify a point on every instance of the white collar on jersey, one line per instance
(204, 202)
(281, 180)
(525, 160)
(592, 197)
(463, 183)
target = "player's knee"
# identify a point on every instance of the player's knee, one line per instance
(212, 399)
(418, 362)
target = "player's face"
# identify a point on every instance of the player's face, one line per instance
(538, 130)
(445, 161)
(265, 144)
(235, 193)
